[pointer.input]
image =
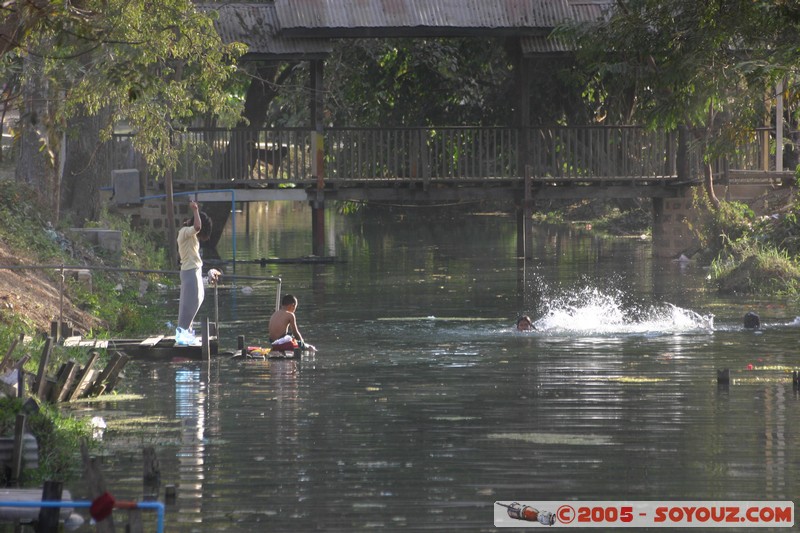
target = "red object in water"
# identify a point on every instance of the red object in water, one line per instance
(750, 366)
(102, 506)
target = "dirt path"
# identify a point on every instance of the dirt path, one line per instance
(30, 294)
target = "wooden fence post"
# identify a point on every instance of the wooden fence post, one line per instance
(108, 377)
(7, 360)
(151, 475)
(18, 452)
(206, 341)
(84, 377)
(41, 377)
(49, 516)
(64, 381)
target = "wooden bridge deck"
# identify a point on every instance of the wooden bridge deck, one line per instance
(437, 189)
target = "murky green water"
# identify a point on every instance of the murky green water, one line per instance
(423, 407)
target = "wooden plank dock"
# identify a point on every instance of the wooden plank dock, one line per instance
(157, 347)
(162, 348)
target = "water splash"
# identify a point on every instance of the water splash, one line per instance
(593, 311)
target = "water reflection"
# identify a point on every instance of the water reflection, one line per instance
(190, 410)
(775, 446)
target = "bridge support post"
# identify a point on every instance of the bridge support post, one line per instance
(525, 219)
(671, 234)
(318, 158)
(520, 230)
(318, 228)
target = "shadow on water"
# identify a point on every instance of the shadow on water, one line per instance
(424, 406)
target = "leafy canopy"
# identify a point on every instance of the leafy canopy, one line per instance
(699, 63)
(418, 82)
(154, 65)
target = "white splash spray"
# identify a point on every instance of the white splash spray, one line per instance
(592, 311)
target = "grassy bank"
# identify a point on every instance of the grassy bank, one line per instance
(31, 298)
(112, 304)
(748, 253)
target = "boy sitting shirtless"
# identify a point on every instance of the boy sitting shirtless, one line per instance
(283, 322)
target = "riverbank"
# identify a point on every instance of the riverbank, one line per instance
(31, 298)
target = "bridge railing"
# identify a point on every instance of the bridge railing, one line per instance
(601, 152)
(214, 155)
(416, 154)
(451, 153)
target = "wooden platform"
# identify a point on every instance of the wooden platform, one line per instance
(162, 348)
(154, 348)
(85, 343)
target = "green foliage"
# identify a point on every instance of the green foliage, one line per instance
(25, 231)
(749, 268)
(706, 65)
(349, 208)
(22, 222)
(715, 229)
(781, 230)
(418, 82)
(628, 222)
(143, 247)
(11, 325)
(115, 297)
(59, 438)
(549, 217)
(155, 66)
(752, 255)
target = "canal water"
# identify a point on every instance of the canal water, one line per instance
(424, 407)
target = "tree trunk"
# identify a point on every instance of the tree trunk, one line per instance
(87, 168)
(708, 172)
(35, 166)
(708, 183)
(237, 161)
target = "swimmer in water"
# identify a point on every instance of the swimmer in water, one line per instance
(524, 323)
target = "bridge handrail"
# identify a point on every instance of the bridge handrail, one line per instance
(454, 153)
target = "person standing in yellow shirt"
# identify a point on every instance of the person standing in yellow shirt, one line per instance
(194, 230)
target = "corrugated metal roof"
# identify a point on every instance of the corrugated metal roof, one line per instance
(590, 10)
(385, 18)
(583, 11)
(543, 45)
(256, 25)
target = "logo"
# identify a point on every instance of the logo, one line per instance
(529, 514)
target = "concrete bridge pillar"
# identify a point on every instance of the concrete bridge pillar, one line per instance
(671, 234)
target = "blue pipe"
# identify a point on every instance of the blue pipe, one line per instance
(233, 208)
(158, 506)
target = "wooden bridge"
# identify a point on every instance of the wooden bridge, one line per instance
(435, 165)
(418, 163)
(426, 163)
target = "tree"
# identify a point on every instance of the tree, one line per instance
(707, 65)
(153, 66)
(415, 82)
(265, 81)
